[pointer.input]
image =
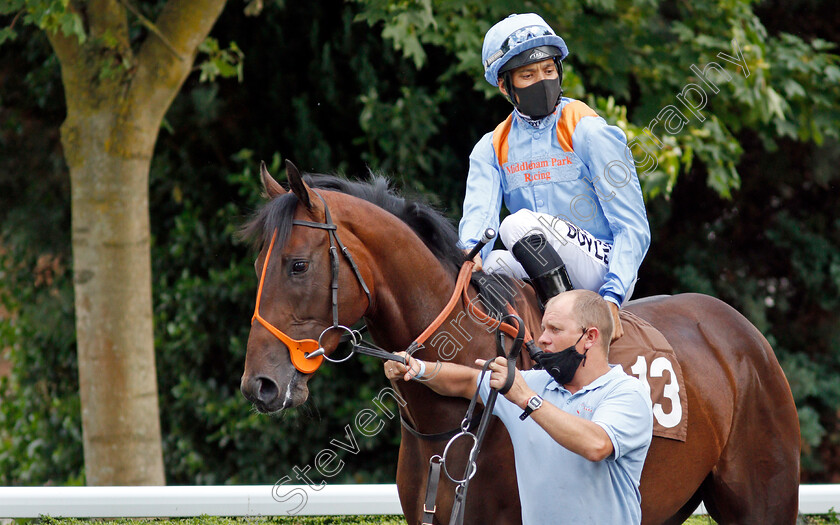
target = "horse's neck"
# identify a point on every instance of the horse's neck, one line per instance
(411, 288)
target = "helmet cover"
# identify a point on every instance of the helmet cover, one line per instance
(514, 35)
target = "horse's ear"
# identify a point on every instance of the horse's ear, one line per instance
(272, 187)
(298, 187)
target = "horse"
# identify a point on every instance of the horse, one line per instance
(740, 456)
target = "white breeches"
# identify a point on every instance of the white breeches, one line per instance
(583, 254)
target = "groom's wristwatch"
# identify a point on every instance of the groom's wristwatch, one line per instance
(533, 404)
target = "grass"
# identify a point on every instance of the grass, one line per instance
(213, 520)
(827, 519)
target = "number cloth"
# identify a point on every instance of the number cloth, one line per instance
(558, 486)
(644, 352)
(571, 165)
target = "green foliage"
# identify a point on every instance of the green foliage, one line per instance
(741, 201)
(49, 15)
(7, 33)
(225, 63)
(403, 128)
(815, 257)
(40, 430)
(407, 22)
(657, 51)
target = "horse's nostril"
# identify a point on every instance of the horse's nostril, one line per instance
(267, 389)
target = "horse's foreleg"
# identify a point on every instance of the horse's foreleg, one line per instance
(410, 484)
(493, 496)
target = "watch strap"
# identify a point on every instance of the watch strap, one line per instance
(529, 408)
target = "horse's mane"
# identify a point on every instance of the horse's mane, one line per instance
(434, 229)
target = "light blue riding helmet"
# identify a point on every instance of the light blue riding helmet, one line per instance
(513, 35)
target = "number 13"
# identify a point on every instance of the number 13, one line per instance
(671, 390)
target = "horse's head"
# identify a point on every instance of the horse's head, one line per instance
(295, 306)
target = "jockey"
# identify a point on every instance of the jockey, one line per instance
(566, 176)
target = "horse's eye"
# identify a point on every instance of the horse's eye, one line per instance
(299, 267)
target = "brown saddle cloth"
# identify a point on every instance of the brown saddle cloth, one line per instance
(644, 352)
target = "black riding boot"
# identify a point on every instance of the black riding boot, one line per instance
(543, 264)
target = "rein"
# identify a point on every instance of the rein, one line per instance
(438, 462)
(460, 292)
(307, 355)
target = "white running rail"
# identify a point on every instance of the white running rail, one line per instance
(253, 500)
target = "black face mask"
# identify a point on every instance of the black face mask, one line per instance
(562, 365)
(539, 99)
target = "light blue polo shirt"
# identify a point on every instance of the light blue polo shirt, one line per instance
(556, 485)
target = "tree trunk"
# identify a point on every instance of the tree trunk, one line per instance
(114, 113)
(112, 279)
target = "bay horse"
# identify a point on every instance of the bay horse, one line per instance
(741, 452)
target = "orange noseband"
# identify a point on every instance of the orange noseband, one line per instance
(298, 349)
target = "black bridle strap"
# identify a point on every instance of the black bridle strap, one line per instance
(365, 348)
(439, 436)
(336, 245)
(318, 225)
(469, 422)
(433, 478)
(331, 228)
(515, 350)
(458, 506)
(474, 422)
(335, 242)
(345, 251)
(359, 345)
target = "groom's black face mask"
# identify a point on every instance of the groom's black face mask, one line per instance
(562, 365)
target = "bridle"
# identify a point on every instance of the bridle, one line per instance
(308, 354)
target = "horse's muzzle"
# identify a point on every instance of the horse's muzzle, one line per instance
(264, 393)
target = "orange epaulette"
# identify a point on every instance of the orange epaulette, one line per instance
(500, 143)
(569, 117)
